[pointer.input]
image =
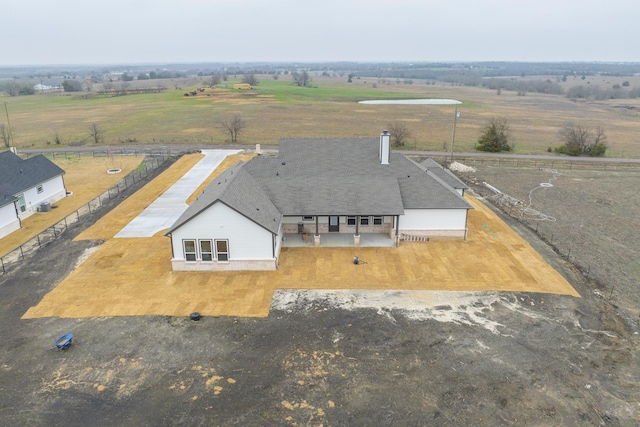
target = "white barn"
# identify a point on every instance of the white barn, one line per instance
(27, 186)
(316, 187)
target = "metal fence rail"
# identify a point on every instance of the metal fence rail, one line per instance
(53, 232)
(547, 163)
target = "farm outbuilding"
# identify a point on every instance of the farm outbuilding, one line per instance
(27, 186)
(314, 190)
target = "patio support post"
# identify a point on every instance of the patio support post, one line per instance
(316, 237)
(397, 230)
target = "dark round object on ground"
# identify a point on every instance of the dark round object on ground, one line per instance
(195, 316)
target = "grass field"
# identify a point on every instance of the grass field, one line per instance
(276, 109)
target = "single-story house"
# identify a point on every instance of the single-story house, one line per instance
(314, 187)
(27, 186)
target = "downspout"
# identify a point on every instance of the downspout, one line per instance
(63, 185)
(466, 218)
(15, 206)
(171, 240)
(397, 230)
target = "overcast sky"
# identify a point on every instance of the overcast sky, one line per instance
(38, 32)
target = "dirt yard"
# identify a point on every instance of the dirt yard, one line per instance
(326, 358)
(589, 216)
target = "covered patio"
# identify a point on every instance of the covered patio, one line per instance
(296, 240)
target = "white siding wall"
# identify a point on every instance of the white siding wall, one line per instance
(52, 191)
(247, 240)
(8, 220)
(433, 219)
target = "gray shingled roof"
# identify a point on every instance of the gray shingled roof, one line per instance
(345, 177)
(444, 174)
(18, 175)
(238, 190)
(325, 177)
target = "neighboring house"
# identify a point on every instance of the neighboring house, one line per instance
(27, 186)
(40, 87)
(315, 186)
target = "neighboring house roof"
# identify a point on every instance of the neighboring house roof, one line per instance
(444, 174)
(239, 191)
(325, 177)
(18, 175)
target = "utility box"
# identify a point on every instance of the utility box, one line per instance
(300, 228)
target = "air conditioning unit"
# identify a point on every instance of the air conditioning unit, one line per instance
(45, 207)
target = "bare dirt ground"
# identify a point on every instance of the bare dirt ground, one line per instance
(324, 358)
(589, 216)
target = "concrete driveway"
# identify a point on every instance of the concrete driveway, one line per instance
(167, 208)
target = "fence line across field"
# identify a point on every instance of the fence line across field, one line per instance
(545, 163)
(51, 233)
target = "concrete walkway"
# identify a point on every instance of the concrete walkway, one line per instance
(167, 208)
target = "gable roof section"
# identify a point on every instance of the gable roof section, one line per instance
(18, 175)
(238, 190)
(444, 174)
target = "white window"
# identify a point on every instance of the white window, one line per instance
(364, 220)
(39, 189)
(351, 220)
(206, 250)
(377, 220)
(308, 218)
(190, 253)
(222, 250)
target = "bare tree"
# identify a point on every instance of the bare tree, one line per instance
(95, 133)
(399, 132)
(250, 79)
(57, 138)
(214, 80)
(4, 136)
(582, 141)
(233, 127)
(11, 87)
(302, 78)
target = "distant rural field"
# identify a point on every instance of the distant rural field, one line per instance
(329, 108)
